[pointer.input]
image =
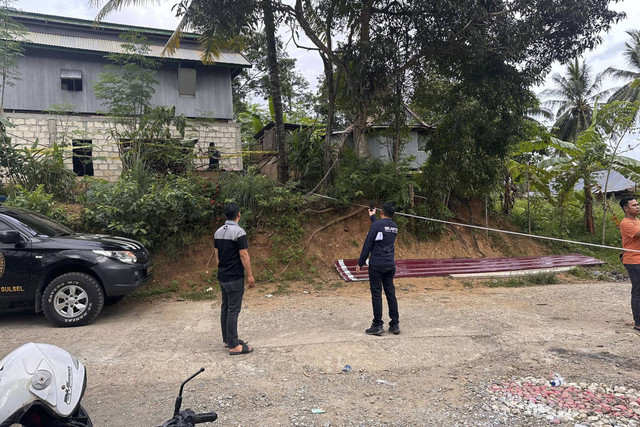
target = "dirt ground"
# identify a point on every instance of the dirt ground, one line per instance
(342, 239)
(455, 341)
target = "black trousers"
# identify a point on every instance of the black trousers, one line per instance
(232, 293)
(381, 277)
(634, 275)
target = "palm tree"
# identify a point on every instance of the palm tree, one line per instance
(631, 90)
(574, 96)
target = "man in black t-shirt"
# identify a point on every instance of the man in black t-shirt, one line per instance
(233, 260)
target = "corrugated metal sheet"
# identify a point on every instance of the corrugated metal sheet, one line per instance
(70, 74)
(617, 182)
(114, 46)
(447, 266)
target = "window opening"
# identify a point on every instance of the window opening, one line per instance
(71, 80)
(187, 82)
(83, 157)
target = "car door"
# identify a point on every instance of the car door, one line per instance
(15, 268)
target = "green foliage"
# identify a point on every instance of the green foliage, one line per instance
(264, 204)
(10, 48)
(546, 222)
(32, 166)
(37, 200)
(163, 215)
(155, 148)
(127, 84)
(254, 82)
(306, 152)
(247, 190)
(536, 279)
(371, 179)
(580, 272)
(252, 119)
(428, 209)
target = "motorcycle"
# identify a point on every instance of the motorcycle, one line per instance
(41, 385)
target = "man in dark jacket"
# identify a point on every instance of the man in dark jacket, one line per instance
(380, 243)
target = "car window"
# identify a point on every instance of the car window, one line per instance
(5, 227)
(38, 224)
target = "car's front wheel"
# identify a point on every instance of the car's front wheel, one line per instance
(72, 299)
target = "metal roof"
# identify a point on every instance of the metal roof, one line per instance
(24, 16)
(617, 182)
(88, 44)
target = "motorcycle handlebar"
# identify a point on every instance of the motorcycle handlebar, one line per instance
(205, 417)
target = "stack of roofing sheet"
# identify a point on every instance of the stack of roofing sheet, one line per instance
(467, 266)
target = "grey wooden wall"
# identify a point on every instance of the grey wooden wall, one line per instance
(40, 86)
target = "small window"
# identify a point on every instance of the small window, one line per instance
(82, 157)
(423, 139)
(71, 80)
(187, 82)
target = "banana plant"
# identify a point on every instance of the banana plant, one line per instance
(596, 149)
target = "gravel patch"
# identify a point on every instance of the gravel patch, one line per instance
(580, 404)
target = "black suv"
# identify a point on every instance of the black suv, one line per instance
(67, 275)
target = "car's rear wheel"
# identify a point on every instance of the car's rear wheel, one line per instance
(72, 299)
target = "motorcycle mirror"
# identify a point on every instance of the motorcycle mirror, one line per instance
(179, 398)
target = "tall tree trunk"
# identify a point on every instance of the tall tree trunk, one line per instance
(331, 87)
(400, 121)
(588, 207)
(360, 143)
(276, 93)
(331, 95)
(4, 85)
(528, 203)
(506, 202)
(604, 206)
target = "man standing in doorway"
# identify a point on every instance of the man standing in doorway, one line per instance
(232, 256)
(630, 231)
(380, 243)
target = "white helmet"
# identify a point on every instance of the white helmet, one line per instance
(41, 384)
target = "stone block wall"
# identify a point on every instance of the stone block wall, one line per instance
(48, 128)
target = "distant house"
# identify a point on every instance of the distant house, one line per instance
(63, 59)
(380, 140)
(618, 186)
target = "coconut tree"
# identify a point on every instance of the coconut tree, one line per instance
(573, 97)
(631, 90)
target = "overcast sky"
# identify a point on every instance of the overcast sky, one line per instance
(159, 15)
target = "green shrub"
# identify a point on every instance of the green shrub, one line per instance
(247, 190)
(305, 152)
(359, 178)
(37, 200)
(165, 215)
(260, 197)
(35, 166)
(535, 279)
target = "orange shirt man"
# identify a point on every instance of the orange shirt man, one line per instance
(630, 231)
